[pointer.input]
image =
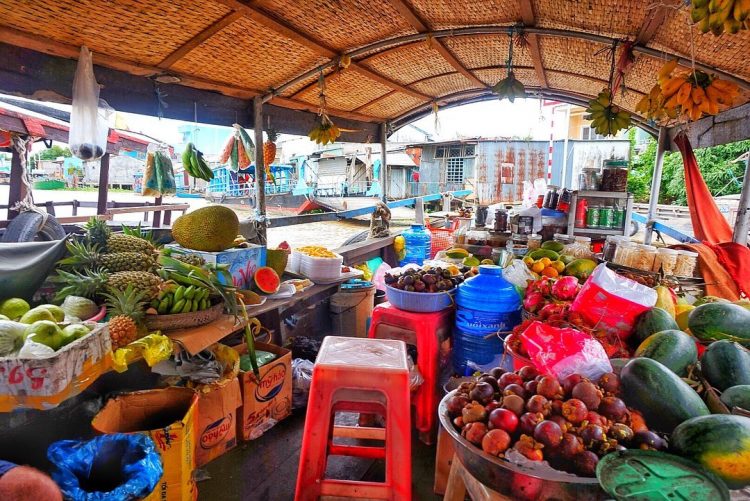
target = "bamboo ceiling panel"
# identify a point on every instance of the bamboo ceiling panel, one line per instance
(292, 90)
(578, 85)
(446, 14)
(341, 24)
(393, 105)
(618, 18)
(576, 56)
(527, 76)
(141, 32)
(250, 55)
(409, 63)
(444, 84)
(731, 53)
(483, 51)
(642, 75)
(347, 90)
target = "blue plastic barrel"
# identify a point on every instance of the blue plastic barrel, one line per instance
(486, 304)
(418, 242)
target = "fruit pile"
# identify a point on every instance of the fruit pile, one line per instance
(547, 263)
(424, 280)
(694, 93)
(175, 298)
(571, 423)
(718, 16)
(606, 118)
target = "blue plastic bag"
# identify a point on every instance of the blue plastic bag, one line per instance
(113, 467)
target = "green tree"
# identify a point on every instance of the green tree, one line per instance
(54, 152)
(722, 175)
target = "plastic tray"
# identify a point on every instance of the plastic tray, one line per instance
(420, 302)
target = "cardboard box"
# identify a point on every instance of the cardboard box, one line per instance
(268, 398)
(168, 417)
(43, 383)
(218, 406)
(242, 262)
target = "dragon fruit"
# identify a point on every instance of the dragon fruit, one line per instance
(553, 309)
(534, 301)
(565, 288)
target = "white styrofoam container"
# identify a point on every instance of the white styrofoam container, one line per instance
(320, 268)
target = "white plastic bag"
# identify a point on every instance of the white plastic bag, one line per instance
(518, 274)
(89, 117)
(301, 379)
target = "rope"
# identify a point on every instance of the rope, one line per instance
(20, 145)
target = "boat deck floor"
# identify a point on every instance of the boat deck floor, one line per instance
(266, 469)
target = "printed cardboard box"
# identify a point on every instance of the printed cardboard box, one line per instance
(268, 399)
(168, 417)
(243, 262)
(43, 383)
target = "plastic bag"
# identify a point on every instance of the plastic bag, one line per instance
(164, 173)
(378, 278)
(89, 117)
(562, 352)
(113, 467)
(153, 348)
(415, 377)
(150, 180)
(518, 274)
(301, 379)
(612, 302)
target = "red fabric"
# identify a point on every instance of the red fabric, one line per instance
(708, 223)
(735, 258)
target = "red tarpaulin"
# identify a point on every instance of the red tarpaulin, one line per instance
(708, 223)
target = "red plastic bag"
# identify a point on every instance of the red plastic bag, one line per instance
(562, 352)
(611, 302)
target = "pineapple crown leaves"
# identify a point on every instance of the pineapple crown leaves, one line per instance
(83, 253)
(273, 134)
(136, 231)
(130, 303)
(97, 232)
(86, 284)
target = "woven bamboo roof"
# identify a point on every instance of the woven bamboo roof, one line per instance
(405, 54)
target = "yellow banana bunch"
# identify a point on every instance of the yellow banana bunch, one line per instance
(324, 132)
(606, 118)
(652, 107)
(694, 94)
(509, 87)
(718, 16)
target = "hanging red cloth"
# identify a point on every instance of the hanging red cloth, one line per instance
(708, 223)
(735, 258)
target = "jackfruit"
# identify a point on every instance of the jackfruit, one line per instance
(210, 229)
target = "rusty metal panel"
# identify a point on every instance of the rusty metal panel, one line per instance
(503, 166)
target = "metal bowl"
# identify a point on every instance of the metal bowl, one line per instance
(535, 482)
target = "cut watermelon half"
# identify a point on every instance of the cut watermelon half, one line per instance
(267, 280)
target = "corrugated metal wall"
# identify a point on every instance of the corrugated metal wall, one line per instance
(584, 154)
(503, 166)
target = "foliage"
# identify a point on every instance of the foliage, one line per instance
(50, 154)
(722, 175)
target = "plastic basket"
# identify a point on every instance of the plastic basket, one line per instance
(442, 238)
(420, 302)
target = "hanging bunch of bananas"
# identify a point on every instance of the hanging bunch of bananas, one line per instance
(652, 107)
(694, 93)
(606, 118)
(509, 87)
(718, 16)
(194, 163)
(325, 131)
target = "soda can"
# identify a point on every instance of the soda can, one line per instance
(606, 217)
(619, 220)
(592, 217)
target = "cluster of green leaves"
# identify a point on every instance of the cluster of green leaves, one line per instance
(722, 175)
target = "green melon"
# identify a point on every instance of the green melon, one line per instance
(267, 280)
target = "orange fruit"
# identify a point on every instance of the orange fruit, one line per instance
(547, 261)
(537, 267)
(558, 265)
(549, 271)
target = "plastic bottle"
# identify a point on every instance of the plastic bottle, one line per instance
(418, 242)
(486, 304)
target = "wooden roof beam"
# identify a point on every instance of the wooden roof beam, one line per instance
(528, 18)
(421, 26)
(655, 16)
(198, 39)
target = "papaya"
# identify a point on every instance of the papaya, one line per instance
(682, 312)
(726, 364)
(659, 394)
(457, 253)
(720, 443)
(737, 396)
(580, 268)
(665, 299)
(652, 321)
(674, 349)
(720, 320)
(553, 246)
(540, 253)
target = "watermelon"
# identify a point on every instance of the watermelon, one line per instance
(726, 364)
(653, 321)
(267, 280)
(737, 396)
(714, 321)
(675, 349)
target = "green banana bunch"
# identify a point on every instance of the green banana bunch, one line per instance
(606, 118)
(509, 87)
(175, 299)
(194, 163)
(718, 16)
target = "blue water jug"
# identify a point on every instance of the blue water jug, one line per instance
(487, 304)
(418, 241)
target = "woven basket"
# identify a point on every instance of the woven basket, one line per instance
(184, 320)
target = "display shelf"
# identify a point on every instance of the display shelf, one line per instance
(625, 196)
(597, 231)
(602, 194)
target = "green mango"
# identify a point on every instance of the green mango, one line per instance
(47, 333)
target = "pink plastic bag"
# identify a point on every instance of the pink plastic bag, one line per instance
(562, 352)
(612, 302)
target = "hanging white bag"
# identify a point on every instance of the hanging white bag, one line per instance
(89, 118)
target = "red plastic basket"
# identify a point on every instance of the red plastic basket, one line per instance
(442, 238)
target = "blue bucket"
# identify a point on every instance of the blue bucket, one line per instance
(419, 302)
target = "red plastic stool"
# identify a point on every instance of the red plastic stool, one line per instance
(357, 375)
(430, 333)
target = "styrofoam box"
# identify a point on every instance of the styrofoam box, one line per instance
(320, 268)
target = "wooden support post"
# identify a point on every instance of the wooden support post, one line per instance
(18, 189)
(743, 210)
(157, 214)
(101, 204)
(661, 147)
(383, 161)
(260, 168)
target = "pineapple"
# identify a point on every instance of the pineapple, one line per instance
(127, 309)
(143, 281)
(269, 149)
(91, 283)
(193, 259)
(88, 256)
(98, 233)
